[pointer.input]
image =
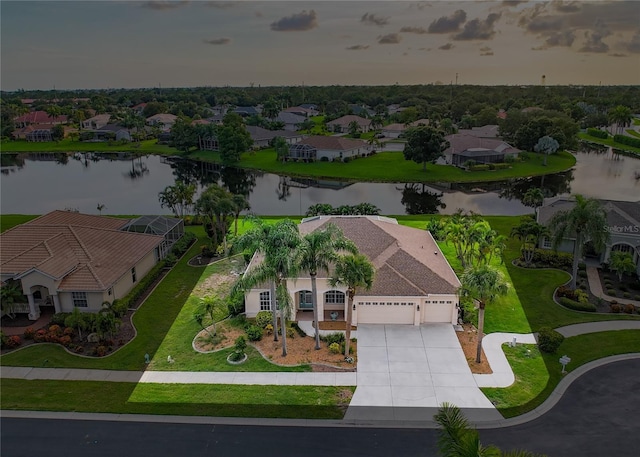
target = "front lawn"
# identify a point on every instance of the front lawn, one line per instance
(8, 221)
(537, 377)
(307, 402)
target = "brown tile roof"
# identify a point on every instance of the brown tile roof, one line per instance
(40, 117)
(333, 142)
(348, 119)
(89, 255)
(408, 261)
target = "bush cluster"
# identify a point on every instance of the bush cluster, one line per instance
(331, 338)
(549, 340)
(628, 140)
(576, 305)
(597, 133)
(553, 259)
(264, 318)
(481, 167)
(334, 348)
(182, 245)
(254, 333)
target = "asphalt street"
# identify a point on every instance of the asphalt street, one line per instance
(597, 416)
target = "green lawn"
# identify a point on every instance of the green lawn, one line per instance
(537, 377)
(392, 167)
(633, 133)
(608, 142)
(8, 221)
(189, 400)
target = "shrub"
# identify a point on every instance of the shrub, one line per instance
(40, 336)
(134, 294)
(206, 251)
(55, 330)
(346, 159)
(11, 342)
(342, 347)
(629, 308)
(182, 245)
(119, 308)
(615, 308)
(254, 333)
(59, 318)
(269, 329)
(68, 331)
(597, 133)
(552, 259)
(577, 306)
(263, 318)
(636, 297)
(65, 340)
(331, 338)
(510, 159)
(626, 295)
(582, 274)
(101, 351)
(324, 159)
(29, 333)
(235, 304)
(549, 340)
(479, 167)
(612, 292)
(170, 260)
(334, 348)
(628, 140)
(299, 331)
(240, 345)
(291, 333)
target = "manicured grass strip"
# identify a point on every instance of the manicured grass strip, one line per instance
(608, 142)
(525, 395)
(8, 221)
(188, 400)
(152, 322)
(392, 167)
(633, 133)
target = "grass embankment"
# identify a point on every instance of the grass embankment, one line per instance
(608, 142)
(8, 221)
(538, 375)
(392, 167)
(190, 400)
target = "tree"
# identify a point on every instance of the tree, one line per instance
(424, 144)
(10, 295)
(57, 132)
(621, 116)
(318, 250)
(76, 320)
(178, 198)
(483, 284)
(533, 197)
(233, 139)
(586, 221)
(183, 136)
(281, 147)
(546, 145)
(621, 263)
(217, 207)
(53, 111)
(352, 271)
(353, 128)
(100, 207)
(270, 109)
(307, 125)
(278, 244)
(207, 310)
(529, 233)
(240, 203)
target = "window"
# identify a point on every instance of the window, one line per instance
(265, 301)
(79, 299)
(334, 297)
(546, 243)
(110, 291)
(133, 274)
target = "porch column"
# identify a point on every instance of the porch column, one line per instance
(34, 310)
(56, 303)
(607, 253)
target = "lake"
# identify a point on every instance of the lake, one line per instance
(40, 183)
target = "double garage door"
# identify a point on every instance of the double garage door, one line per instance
(378, 312)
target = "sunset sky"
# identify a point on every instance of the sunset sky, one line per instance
(113, 44)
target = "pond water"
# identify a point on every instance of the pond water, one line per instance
(36, 184)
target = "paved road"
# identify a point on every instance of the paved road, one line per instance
(597, 416)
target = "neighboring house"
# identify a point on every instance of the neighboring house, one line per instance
(341, 125)
(302, 111)
(395, 130)
(333, 148)
(139, 108)
(246, 111)
(623, 221)
(164, 121)
(39, 117)
(413, 284)
(486, 131)
(464, 147)
(96, 122)
(70, 260)
(35, 133)
(394, 108)
(262, 137)
(361, 110)
(109, 131)
(290, 120)
(313, 108)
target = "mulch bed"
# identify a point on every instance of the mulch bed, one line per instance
(469, 342)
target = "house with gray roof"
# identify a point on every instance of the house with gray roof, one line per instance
(464, 147)
(341, 124)
(290, 120)
(328, 148)
(623, 222)
(413, 282)
(262, 137)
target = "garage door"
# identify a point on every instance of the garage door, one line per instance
(378, 312)
(438, 312)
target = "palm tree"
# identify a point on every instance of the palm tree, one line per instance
(278, 244)
(240, 204)
(587, 221)
(529, 233)
(217, 207)
(456, 438)
(318, 250)
(353, 271)
(533, 197)
(483, 284)
(281, 147)
(621, 116)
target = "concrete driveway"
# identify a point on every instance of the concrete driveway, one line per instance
(405, 372)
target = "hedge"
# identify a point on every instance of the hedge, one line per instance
(549, 340)
(598, 133)
(552, 258)
(128, 300)
(628, 140)
(577, 306)
(479, 167)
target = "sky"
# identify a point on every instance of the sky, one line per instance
(175, 43)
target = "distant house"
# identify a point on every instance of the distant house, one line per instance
(361, 110)
(312, 107)
(623, 221)
(464, 147)
(246, 111)
(38, 133)
(395, 130)
(69, 260)
(291, 121)
(486, 131)
(96, 122)
(302, 111)
(164, 121)
(328, 148)
(39, 117)
(139, 108)
(107, 132)
(263, 137)
(341, 125)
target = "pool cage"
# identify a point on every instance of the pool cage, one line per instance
(170, 228)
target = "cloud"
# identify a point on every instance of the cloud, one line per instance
(447, 24)
(296, 22)
(218, 41)
(566, 7)
(372, 19)
(486, 51)
(408, 29)
(542, 24)
(478, 29)
(558, 39)
(357, 47)
(593, 42)
(633, 46)
(391, 38)
(446, 47)
(161, 5)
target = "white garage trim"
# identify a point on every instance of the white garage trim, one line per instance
(390, 311)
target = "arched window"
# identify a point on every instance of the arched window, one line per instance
(622, 247)
(334, 297)
(305, 300)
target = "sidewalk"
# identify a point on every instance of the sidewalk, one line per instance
(596, 288)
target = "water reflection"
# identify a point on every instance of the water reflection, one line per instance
(420, 199)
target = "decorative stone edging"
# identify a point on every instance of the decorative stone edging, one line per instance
(237, 362)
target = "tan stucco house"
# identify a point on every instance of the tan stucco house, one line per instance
(413, 284)
(69, 260)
